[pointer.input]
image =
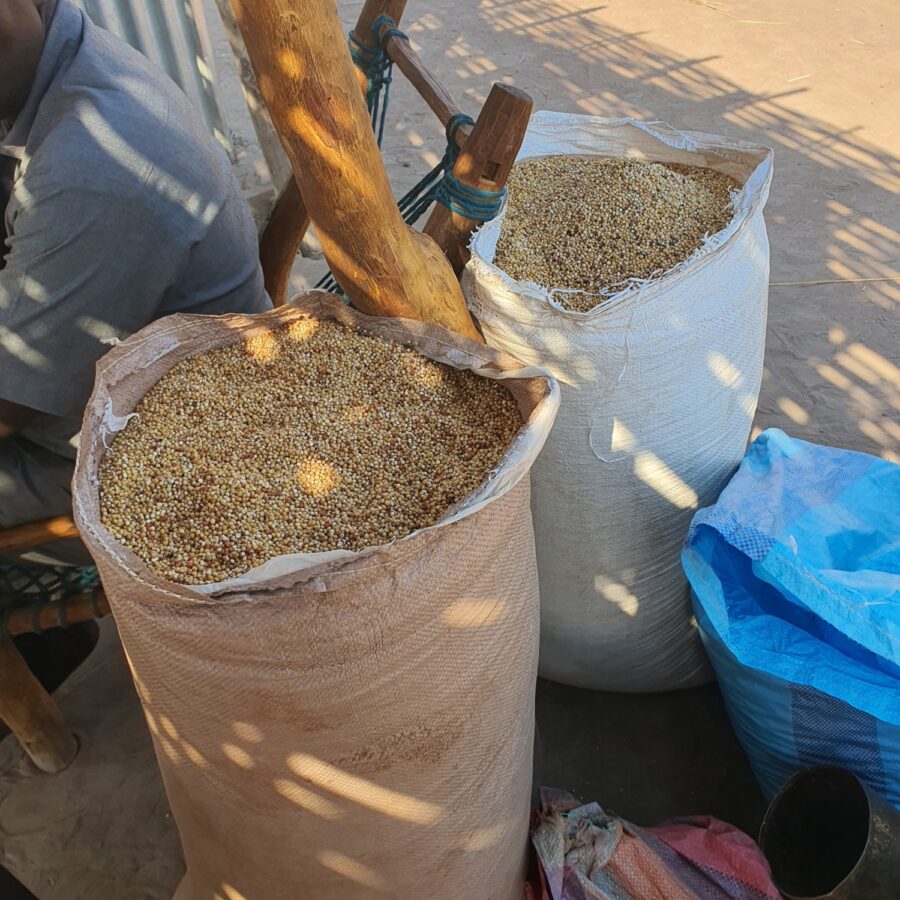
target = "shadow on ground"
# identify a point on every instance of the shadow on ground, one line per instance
(646, 757)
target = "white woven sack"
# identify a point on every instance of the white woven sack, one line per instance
(659, 389)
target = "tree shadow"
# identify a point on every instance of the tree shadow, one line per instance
(832, 357)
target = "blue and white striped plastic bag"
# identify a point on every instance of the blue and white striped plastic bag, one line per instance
(795, 574)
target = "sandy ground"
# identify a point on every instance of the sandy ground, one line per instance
(816, 81)
(101, 828)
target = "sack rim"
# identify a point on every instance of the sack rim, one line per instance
(538, 298)
(101, 420)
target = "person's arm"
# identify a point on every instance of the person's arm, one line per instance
(85, 265)
(13, 418)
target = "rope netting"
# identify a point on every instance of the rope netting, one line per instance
(33, 585)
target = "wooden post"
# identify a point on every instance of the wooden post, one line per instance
(273, 153)
(280, 241)
(308, 81)
(426, 83)
(484, 162)
(363, 33)
(32, 715)
(22, 537)
(372, 10)
(283, 234)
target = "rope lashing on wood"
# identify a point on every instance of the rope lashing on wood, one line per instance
(473, 203)
(33, 585)
(378, 68)
(421, 195)
(415, 202)
(438, 185)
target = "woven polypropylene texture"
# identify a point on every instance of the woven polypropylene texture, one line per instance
(802, 624)
(355, 729)
(659, 388)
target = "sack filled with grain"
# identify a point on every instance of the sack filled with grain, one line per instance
(632, 262)
(337, 669)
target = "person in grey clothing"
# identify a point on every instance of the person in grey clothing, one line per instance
(118, 209)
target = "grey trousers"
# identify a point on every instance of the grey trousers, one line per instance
(36, 484)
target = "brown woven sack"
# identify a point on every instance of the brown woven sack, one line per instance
(339, 726)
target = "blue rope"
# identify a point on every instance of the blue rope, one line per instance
(473, 203)
(378, 68)
(30, 585)
(415, 202)
(39, 584)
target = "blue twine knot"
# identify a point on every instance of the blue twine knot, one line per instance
(473, 203)
(378, 68)
(438, 185)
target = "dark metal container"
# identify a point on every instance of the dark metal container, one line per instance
(827, 835)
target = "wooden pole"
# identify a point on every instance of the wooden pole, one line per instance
(440, 101)
(283, 234)
(363, 31)
(371, 11)
(273, 153)
(32, 715)
(309, 83)
(22, 537)
(49, 614)
(484, 162)
(280, 241)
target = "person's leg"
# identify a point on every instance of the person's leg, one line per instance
(36, 484)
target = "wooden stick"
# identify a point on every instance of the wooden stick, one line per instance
(22, 537)
(485, 162)
(272, 151)
(372, 10)
(438, 98)
(281, 239)
(401, 54)
(310, 86)
(32, 715)
(77, 609)
(283, 233)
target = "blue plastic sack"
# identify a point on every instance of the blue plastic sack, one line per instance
(795, 574)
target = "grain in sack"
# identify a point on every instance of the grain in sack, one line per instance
(347, 723)
(659, 379)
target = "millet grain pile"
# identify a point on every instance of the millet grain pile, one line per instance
(308, 438)
(591, 223)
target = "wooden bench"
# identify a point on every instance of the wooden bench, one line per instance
(27, 709)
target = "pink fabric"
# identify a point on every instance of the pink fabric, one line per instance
(585, 853)
(715, 845)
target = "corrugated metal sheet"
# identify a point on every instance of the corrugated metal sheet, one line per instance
(172, 33)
